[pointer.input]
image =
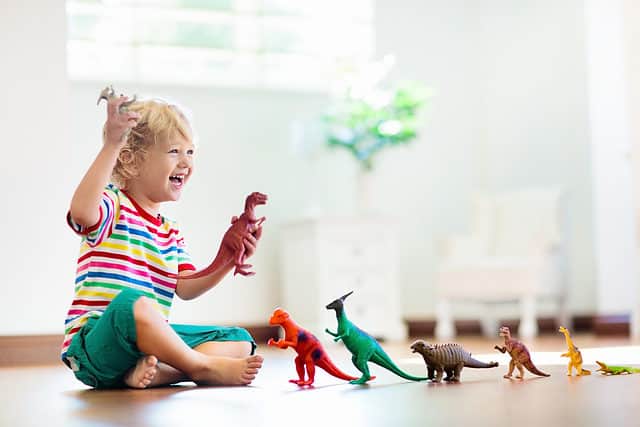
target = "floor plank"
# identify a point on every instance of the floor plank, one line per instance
(49, 395)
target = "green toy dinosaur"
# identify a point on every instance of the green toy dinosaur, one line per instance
(615, 370)
(362, 346)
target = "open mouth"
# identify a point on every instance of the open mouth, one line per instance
(177, 180)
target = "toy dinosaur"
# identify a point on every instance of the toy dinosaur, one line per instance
(363, 347)
(615, 370)
(108, 93)
(447, 358)
(241, 227)
(574, 355)
(310, 351)
(519, 355)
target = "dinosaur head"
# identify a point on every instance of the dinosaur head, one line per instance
(279, 316)
(254, 199)
(563, 330)
(603, 367)
(338, 304)
(418, 346)
(105, 94)
(504, 332)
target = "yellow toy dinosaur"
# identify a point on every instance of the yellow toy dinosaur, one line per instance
(574, 355)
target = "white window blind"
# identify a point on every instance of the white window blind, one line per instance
(285, 44)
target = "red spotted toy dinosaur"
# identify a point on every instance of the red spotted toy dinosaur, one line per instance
(310, 351)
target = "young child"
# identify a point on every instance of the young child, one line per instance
(133, 260)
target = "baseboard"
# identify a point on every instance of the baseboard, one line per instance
(26, 350)
(598, 325)
(45, 349)
(30, 350)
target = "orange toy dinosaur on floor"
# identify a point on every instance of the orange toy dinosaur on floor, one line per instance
(310, 351)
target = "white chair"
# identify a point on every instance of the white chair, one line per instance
(515, 253)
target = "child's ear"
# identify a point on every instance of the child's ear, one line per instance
(130, 161)
(126, 157)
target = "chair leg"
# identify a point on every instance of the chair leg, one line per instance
(528, 324)
(635, 322)
(489, 322)
(445, 329)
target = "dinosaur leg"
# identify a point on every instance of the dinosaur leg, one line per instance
(311, 372)
(569, 369)
(360, 362)
(521, 370)
(583, 371)
(512, 364)
(449, 373)
(439, 372)
(457, 371)
(300, 370)
(430, 372)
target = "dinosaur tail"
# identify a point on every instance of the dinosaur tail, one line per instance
(474, 363)
(533, 369)
(381, 358)
(326, 364)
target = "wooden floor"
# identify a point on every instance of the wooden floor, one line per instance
(50, 396)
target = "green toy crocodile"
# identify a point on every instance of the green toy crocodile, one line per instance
(362, 346)
(615, 370)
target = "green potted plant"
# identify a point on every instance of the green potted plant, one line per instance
(367, 117)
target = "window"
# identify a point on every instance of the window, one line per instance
(290, 44)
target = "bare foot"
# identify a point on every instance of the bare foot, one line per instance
(229, 371)
(143, 373)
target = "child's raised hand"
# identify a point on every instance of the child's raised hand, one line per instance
(251, 241)
(119, 121)
(239, 243)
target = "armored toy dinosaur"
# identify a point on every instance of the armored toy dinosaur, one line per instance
(615, 370)
(520, 356)
(447, 358)
(363, 347)
(574, 355)
(310, 351)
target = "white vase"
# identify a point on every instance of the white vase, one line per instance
(365, 192)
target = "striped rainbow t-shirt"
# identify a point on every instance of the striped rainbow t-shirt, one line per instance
(127, 248)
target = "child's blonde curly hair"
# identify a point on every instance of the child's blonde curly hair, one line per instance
(158, 121)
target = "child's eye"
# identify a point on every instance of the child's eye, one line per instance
(173, 150)
(190, 152)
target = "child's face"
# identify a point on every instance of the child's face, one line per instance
(166, 169)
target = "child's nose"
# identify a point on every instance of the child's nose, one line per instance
(186, 160)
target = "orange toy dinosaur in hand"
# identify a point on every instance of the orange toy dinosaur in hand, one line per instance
(310, 351)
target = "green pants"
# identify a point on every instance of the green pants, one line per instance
(105, 349)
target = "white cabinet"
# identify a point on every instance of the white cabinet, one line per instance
(323, 259)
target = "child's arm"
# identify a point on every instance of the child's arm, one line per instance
(85, 203)
(189, 288)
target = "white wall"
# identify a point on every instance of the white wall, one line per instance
(36, 171)
(509, 109)
(632, 37)
(614, 217)
(428, 185)
(537, 117)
